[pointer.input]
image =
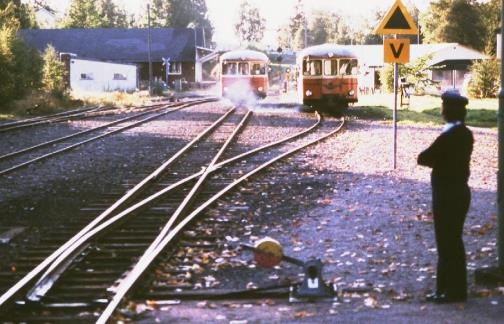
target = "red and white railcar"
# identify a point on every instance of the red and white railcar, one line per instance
(244, 73)
(327, 76)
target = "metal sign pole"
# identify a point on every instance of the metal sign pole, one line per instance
(394, 113)
(500, 177)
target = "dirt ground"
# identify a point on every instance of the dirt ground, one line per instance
(369, 224)
(339, 201)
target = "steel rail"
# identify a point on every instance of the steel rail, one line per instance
(52, 120)
(34, 119)
(99, 111)
(147, 258)
(44, 264)
(64, 138)
(72, 146)
(67, 256)
(52, 274)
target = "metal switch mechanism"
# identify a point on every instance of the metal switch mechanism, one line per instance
(268, 253)
(313, 285)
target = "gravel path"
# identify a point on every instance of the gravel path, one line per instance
(338, 201)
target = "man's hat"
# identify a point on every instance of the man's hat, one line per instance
(454, 96)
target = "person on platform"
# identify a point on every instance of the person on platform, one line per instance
(449, 157)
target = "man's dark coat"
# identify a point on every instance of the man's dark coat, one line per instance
(449, 157)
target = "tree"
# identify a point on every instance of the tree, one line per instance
(82, 14)
(484, 79)
(21, 12)
(19, 64)
(297, 21)
(490, 15)
(180, 14)
(53, 73)
(111, 15)
(299, 39)
(453, 21)
(250, 26)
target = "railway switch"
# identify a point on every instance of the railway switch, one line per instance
(268, 253)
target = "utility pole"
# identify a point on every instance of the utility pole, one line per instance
(495, 275)
(500, 177)
(149, 48)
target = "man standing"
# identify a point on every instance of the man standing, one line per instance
(449, 157)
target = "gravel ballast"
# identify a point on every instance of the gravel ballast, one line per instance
(343, 203)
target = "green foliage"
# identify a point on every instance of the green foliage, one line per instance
(454, 21)
(250, 25)
(387, 77)
(21, 14)
(180, 14)
(484, 79)
(490, 15)
(475, 117)
(19, 64)
(111, 15)
(416, 73)
(53, 73)
(82, 14)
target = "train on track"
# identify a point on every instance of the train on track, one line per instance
(327, 76)
(244, 73)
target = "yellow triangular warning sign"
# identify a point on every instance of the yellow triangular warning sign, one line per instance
(397, 21)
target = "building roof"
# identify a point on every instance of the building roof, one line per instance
(372, 55)
(128, 45)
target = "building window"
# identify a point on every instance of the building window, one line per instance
(175, 68)
(86, 76)
(120, 76)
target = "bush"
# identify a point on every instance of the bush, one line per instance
(484, 79)
(53, 73)
(19, 66)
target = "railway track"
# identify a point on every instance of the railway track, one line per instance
(65, 116)
(132, 238)
(75, 140)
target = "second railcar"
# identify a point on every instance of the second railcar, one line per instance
(244, 72)
(327, 76)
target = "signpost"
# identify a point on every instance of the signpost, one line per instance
(166, 64)
(397, 21)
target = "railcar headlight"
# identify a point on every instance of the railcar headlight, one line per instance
(351, 93)
(260, 89)
(308, 93)
(226, 89)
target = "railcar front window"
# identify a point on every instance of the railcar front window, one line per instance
(312, 67)
(331, 67)
(258, 69)
(228, 68)
(243, 68)
(348, 67)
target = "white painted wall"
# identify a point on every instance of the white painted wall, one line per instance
(95, 76)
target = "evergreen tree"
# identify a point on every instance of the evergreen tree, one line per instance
(22, 13)
(111, 15)
(490, 15)
(485, 79)
(53, 73)
(453, 21)
(250, 26)
(82, 14)
(180, 14)
(19, 64)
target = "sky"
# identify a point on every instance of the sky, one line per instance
(224, 13)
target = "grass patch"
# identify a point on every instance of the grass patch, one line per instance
(38, 103)
(117, 98)
(423, 110)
